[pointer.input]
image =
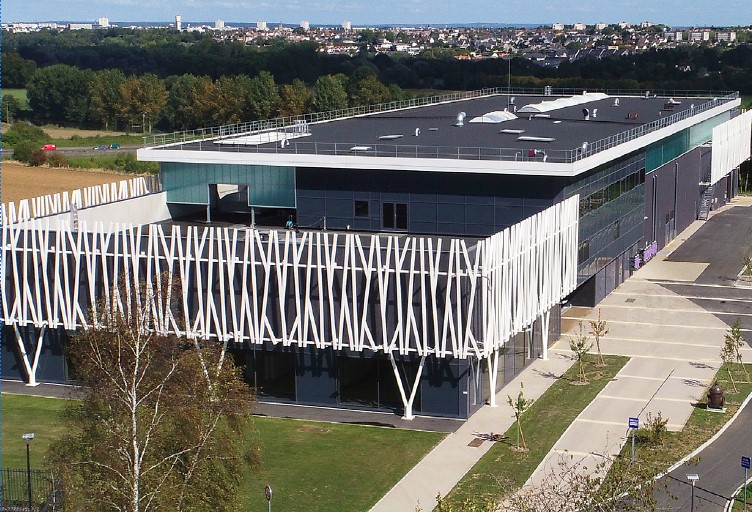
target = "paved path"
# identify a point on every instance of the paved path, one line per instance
(446, 464)
(670, 318)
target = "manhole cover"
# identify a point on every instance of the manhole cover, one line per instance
(629, 300)
(475, 442)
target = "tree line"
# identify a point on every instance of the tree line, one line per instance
(110, 99)
(141, 79)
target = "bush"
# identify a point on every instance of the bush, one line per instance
(20, 132)
(38, 157)
(24, 150)
(55, 159)
(654, 431)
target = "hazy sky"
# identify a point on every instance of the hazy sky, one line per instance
(370, 12)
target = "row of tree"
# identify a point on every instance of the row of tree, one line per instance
(166, 54)
(110, 99)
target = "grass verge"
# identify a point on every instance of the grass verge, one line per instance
(503, 469)
(700, 427)
(331, 467)
(310, 466)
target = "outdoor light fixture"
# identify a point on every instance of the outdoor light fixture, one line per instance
(693, 477)
(28, 437)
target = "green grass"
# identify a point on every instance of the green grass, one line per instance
(739, 498)
(99, 140)
(112, 162)
(20, 94)
(331, 467)
(503, 469)
(311, 466)
(700, 427)
(746, 101)
(22, 414)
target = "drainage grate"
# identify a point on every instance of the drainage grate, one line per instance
(476, 442)
(629, 300)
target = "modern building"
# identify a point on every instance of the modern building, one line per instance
(412, 256)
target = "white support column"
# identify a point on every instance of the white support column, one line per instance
(407, 402)
(545, 321)
(493, 372)
(31, 368)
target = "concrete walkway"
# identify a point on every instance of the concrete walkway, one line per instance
(446, 464)
(669, 326)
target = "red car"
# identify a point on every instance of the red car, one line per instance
(49, 147)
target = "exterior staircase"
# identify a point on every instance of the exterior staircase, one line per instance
(706, 203)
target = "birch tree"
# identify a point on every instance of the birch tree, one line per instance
(161, 424)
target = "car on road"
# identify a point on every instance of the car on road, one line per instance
(114, 146)
(49, 147)
(101, 147)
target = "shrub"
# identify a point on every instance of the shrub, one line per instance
(20, 132)
(654, 431)
(55, 159)
(38, 157)
(24, 149)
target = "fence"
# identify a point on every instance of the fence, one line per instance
(299, 124)
(14, 491)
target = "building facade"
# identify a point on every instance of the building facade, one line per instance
(434, 241)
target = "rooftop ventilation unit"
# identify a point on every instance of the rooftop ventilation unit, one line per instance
(616, 102)
(585, 114)
(595, 113)
(511, 131)
(560, 103)
(460, 119)
(390, 137)
(530, 138)
(417, 132)
(495, 117)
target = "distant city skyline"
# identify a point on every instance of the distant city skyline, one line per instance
(386, 12)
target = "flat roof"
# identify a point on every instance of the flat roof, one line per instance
(563, 135)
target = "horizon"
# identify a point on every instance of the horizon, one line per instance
(673, 13)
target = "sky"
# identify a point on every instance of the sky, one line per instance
(676, 13)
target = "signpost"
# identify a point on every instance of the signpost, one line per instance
(745, 465)
(634, 424)
(268, 494)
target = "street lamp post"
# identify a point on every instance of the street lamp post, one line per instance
(693, 477)
(28, 437)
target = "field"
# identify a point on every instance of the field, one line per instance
(20, 94)
(22, 182)
(310, 466)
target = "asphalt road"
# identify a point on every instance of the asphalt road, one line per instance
(720, 242)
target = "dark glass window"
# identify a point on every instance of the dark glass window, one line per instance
(401, 216)
(583, 254)
(395, 215)
(388, 211)
(361, 208)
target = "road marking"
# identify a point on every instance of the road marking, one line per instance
(602, 422)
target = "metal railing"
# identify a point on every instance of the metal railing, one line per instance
(205, 139)
(14, 490)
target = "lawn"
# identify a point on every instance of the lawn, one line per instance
(92, 141)
(310, 466)
(331, 467)
(502, 469)
(22, 414)
(746, 101)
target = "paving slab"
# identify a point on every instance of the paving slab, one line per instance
(672, 271)
(648, 367)
(633, 387)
